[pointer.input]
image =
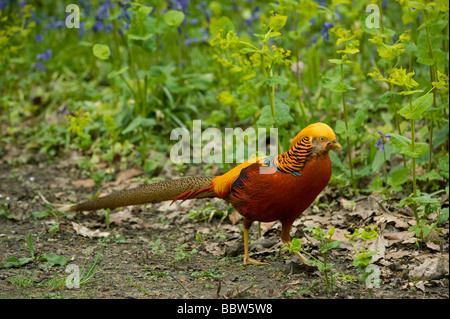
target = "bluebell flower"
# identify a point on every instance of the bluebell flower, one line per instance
(108, 28)
(102, 11)
(55, 23)
(82, 29)
(394, 38)
(338, 14)
(3, 4)
(38, 38)
(123, 10)
(203, 8)
(325, 30)
(98, 26)
(181, 5)
(189, 41)
(101, 14)
(45, 56)
(381, 141)
(39, 66)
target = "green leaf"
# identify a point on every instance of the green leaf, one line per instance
(398, 178)
(245, 110)
(30, 245)
(378, 161)
(139, 121)
(101, 51)
(173, 18)
(419, 106)
(16, 262)
(216, 117)
(276, 80)
(277, 22)
(223, 23)
(53, 259)
(404, 145)
(282, 115)
(335, 85)
(296, 245)
(330, 246)
(109, 123)
(114, 74)
(443, 217)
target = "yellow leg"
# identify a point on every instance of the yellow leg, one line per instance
(247, 259)
(286, 239)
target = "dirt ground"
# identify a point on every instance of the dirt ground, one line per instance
(159, 251)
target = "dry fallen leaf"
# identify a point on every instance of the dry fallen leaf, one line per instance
(127, 174)
(123, 215)
(86, 232)
(214, 249)
(430, 268)
(379, 245)
(234, 217)
(87, 183)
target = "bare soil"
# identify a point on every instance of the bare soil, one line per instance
(197, 258)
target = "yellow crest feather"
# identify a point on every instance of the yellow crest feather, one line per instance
(314, 130)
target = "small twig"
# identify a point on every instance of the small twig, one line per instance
(182, 286)
(44, 199)
(239, 293)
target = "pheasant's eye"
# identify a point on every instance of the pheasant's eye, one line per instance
(321, 139)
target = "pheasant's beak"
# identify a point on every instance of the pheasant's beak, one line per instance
(334, 144)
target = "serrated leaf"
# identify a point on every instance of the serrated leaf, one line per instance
(282, 115)
(404, 145)
(276, 80)
(101, 51)
(173, 18)
(246, 110)
(419, 106)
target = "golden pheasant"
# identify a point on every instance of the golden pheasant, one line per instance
(264, 189)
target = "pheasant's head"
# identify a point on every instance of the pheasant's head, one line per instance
(322, 138)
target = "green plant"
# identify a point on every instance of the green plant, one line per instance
(181, 253)
(363, 256)
(157, 247)
(326, 244)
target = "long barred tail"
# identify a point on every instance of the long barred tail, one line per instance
(183, 188)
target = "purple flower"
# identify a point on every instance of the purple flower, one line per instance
(181, 5)
(325, 30)
(338, 14)
(38, 38)
(45, 56)
(39, 66)
(382, 140)
(188, 41)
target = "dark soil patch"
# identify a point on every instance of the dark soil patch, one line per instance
(157, 251)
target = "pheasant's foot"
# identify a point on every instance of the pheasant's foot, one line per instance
(248, 261)
(303, 259)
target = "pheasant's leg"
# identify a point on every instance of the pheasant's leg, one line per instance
(247, 259)
(286, 239)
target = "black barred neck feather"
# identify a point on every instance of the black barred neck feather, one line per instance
(295, 158)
